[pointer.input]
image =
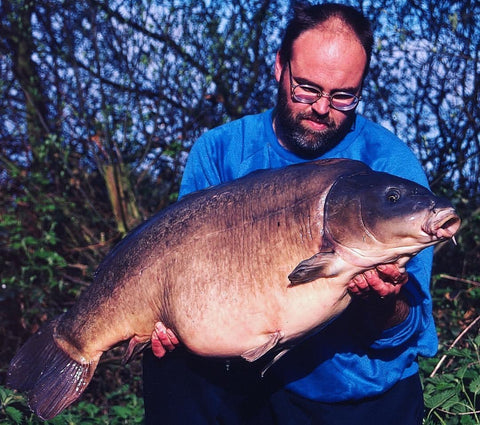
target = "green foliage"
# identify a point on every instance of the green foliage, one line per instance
(452, 378)
(122, 408)
(453, 395)
(28, 231)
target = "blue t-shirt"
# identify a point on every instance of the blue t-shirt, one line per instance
(337, 364)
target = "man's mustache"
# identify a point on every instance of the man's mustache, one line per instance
(315, 119)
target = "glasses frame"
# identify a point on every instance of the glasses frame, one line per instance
(320, 94)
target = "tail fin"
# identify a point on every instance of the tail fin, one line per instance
(50, 378)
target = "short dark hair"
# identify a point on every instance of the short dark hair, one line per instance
(307, 17)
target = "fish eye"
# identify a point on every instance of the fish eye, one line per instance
(393, 195)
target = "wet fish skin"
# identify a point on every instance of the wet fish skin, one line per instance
(235, 270)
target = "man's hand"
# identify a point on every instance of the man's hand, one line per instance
(389, 307)
(163, 340)
(385, 280)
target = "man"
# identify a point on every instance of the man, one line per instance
(362, 368)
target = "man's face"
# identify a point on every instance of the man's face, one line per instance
(331, 59)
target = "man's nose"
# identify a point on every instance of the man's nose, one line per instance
(322, 105)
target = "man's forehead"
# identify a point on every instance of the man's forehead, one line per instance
(332, 31)
(329, 57)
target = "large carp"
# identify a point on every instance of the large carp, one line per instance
(235, 270)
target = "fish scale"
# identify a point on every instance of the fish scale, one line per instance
(235, 270)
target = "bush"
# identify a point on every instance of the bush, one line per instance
(122, 407)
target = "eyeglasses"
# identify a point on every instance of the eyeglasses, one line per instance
(304, 93)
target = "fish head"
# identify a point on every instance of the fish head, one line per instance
(375, 218)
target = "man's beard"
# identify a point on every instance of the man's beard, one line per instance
(303, 142)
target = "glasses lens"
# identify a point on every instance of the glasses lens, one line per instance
(306, 94)
(344, 101)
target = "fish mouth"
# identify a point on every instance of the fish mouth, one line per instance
(443, 224)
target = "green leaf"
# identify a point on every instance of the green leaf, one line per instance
(439, 399)
(454, 404)
(474, 386)
(468, 420)
(14, 414)
(122, 411)
(477, 340)
(458, 352)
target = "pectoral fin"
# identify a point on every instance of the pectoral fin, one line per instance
(320, 265)
(274, 360)
(136, 345)
(257, 352)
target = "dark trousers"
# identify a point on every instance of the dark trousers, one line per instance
(182, 389)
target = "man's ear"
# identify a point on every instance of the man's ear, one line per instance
(278, 67)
